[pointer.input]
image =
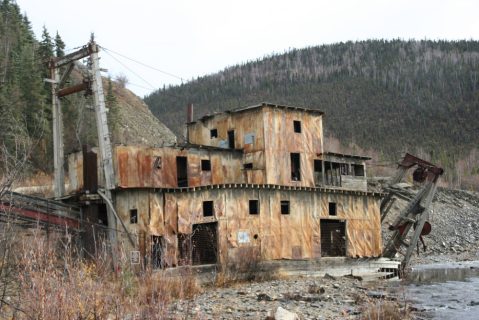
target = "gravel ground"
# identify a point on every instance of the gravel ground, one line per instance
(454, 237)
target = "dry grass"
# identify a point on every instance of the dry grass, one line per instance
(384, 310)
(52, 282)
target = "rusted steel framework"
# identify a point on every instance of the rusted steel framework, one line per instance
(416, 213)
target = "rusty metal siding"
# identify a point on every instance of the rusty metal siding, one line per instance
(278, 236)
(140, 167)
(281, 141)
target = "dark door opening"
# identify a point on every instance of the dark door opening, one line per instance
(182, 171)
(204, 243)
(295, 167)
(157, 257)
(333, 238)
(231, 139)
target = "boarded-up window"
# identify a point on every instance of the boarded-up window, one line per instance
(254, 207)
(297, 126)
(133, 216)
(358, 170)
(205, 165)
(295, 167)
(284, 207)
(208, 208)
(332, 209)
(213, 133)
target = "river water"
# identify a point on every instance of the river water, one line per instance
(445, 291)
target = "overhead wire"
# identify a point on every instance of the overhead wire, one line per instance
(144, 64)
(151, 86)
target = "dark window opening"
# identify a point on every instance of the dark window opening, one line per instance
(332, 173)
(344, 169)
(318, 166)
(248, 166)
(208, 209)
(102, 214)
(204, 243)
(295, 167)
(157, 164)
(133, 216)
(333, 238)
(332, 209)
(297, 126)
(284, 207)
(231, 139)
(205, 165)
(157, 255)
(182, 171)
(213, 133)
(358, 170)
(254, 207)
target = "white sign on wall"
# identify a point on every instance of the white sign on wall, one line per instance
(243, 237)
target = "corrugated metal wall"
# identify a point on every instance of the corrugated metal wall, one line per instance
(295, 235)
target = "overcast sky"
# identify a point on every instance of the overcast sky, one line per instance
(190, 38)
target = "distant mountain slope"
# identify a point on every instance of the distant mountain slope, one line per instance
(386, 95)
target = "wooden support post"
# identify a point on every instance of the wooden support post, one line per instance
(58, 153)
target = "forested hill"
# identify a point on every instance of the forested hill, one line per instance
(385, 95)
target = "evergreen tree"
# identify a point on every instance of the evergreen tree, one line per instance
(59, 46)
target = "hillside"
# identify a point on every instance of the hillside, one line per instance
(25, 102)
(388, 96)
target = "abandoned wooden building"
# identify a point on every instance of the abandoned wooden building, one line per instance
(253, 183)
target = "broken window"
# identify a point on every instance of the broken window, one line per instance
(205, 165)
(332, 209)
(181, 171)
(344, 168)
(157, 258)
(208, 209)
(318, 172)
(133, 216)
(231, 139)
(297, 126)
(358, 170)
(157, 163)
(248, 166)
(254, 207)
(295, 167)
(284, 207)
(213, 133)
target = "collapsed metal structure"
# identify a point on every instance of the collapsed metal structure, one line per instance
(416, 213)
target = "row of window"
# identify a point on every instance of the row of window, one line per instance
(209, 210)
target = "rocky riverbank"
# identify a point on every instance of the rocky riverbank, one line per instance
(326, 297)
(454, 237)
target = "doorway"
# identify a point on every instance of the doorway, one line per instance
(182, 171)
(333, 238)
(204, 243)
